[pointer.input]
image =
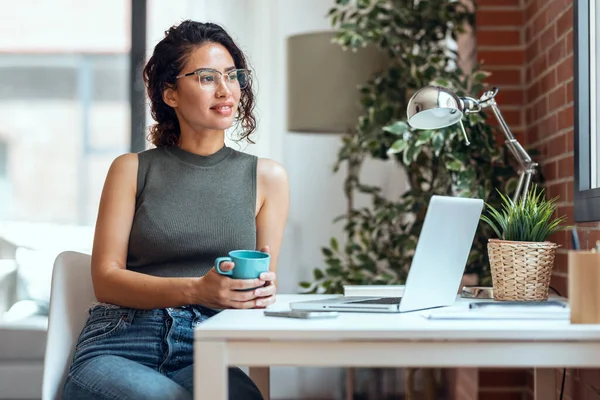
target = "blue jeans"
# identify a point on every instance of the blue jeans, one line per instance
(125, 353)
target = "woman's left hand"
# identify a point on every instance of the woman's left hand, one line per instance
(265, 295)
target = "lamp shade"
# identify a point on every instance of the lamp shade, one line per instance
(322, 81)
(434, 107)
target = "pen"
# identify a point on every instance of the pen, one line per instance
(575, 238)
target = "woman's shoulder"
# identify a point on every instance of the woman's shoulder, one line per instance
(125, 162)
(270, 170)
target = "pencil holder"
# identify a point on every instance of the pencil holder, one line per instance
(584, 284)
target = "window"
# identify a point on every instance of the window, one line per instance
(587, 111)
(64, 107)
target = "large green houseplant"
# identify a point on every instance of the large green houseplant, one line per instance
(380, 239)
(522, 258)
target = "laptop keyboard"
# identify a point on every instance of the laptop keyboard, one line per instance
(383, 300)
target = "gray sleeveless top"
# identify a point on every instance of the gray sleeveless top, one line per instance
(191, 209)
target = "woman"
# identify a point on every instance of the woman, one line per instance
(166, 214)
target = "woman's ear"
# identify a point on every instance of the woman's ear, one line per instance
(170, 96)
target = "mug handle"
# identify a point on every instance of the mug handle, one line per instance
(218, 262)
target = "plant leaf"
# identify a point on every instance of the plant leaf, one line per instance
(397, 128)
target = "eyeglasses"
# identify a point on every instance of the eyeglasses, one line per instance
(210, 79)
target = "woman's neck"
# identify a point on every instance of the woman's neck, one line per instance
(202, 143)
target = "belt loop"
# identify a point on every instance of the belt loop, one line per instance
(130, 315)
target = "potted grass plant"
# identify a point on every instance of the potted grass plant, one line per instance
(522, 258)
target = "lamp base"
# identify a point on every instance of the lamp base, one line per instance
(477, 292)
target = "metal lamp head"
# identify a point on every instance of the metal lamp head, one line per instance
(434, 107)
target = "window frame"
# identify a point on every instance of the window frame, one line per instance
(586, 199)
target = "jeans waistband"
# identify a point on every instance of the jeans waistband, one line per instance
(112, 309)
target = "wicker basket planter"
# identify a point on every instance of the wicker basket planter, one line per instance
(521, 271)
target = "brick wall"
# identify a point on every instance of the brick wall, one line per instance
(528, 47)
(548, 35)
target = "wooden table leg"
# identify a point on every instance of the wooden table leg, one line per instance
(544, 384)
(210, 371)
(350, 376)
(262, 379)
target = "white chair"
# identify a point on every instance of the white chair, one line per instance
(71, 295)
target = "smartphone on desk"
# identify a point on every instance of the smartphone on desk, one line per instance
(302, 314)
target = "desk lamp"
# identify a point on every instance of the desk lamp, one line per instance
(435, 107)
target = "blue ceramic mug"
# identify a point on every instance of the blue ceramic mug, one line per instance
(249, 264)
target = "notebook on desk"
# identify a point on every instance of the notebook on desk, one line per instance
(437, 267)
(506, 311)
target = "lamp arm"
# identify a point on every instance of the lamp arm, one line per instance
(514, 146)
(527, 165)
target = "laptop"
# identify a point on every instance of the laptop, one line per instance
(437, 266)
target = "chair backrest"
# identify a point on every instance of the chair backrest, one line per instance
(71, 295)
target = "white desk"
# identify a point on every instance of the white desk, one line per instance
(248, 338)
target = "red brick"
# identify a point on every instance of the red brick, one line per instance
(529, 32)
(557, 98)
(592, 237)
(539, 23)
(584, 392)
(561, 263)
(560, 284)
(569, 192)
(566, 169)
(538, 66)
(570, 377)
(540, 108)
(590, 376)
(530, 11)
(502, 57)
(549, 171)
(529, 117)
(556, 146)
(548, 81)
(498, 3)
(547, 38)
(590, 225)
(570, 141)
(570, 91)
(541, 4)
(499, 37)
(504, 395)
(569, 42)
(564, 69)
(513, 117)
(504, 77)
(531, 50)
(492, 377)
(561, 238)
(550, 124)
(565, 118)
(569, 213)
(555, 9)
(564, 22)
(531, 94)
(534, 133)
(556, 190)
(557, 51)
(510, 97)
(499, 17)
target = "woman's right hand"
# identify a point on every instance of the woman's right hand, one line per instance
(218, 291)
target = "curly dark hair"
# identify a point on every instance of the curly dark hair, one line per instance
(167, 61)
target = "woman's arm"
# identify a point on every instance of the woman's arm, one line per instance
(114, 284)
(273, 194)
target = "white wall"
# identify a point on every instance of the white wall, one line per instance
(261, 27)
